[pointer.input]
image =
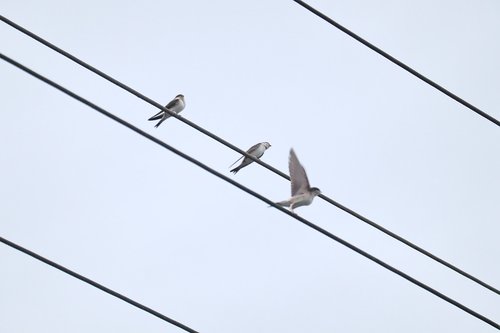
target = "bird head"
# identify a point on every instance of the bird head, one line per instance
(180, 96)
(266, 144)
(315, 191)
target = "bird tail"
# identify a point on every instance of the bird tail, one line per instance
(165, 117)
(284, 203)
(236, 161)
(235, 170)
(156, 116)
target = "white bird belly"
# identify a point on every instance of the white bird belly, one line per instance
(304, 199)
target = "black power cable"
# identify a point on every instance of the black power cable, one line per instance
(96, 285)
(233, 147)
(251, 192)
(398, 62)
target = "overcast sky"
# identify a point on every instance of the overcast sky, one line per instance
(113, 206)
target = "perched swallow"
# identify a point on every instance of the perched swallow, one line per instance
(176, 105)
(256, 151)
(302, 193)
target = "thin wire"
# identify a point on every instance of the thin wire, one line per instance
(244, 153)
(251, 192)
(96, 285)
(410, 244)
(398, 62)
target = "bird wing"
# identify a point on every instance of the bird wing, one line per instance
(250, 151)
(253, 149)
(172, 103)
(176, 105)
(300, 183)
(157, 116)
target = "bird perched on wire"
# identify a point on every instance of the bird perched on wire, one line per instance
(176, 105)
(256, 151)
(302, 193)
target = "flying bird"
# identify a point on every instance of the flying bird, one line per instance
(256, 151)
(302, 193)
(176, 105)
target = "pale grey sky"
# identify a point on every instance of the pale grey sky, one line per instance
(103, 201)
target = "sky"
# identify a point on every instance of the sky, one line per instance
(92, 195)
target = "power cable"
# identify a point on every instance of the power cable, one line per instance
(398, 62)
(242, 152)
(251, 192)
(95, 284)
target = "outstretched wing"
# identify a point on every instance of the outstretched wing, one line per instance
(300, 183)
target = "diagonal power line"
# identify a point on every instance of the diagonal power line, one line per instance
(97, 285)
(253, 193)
(398, 62)
(242, 152)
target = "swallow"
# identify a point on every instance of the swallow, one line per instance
(302, 193)
(176, 105)
(256, 151)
